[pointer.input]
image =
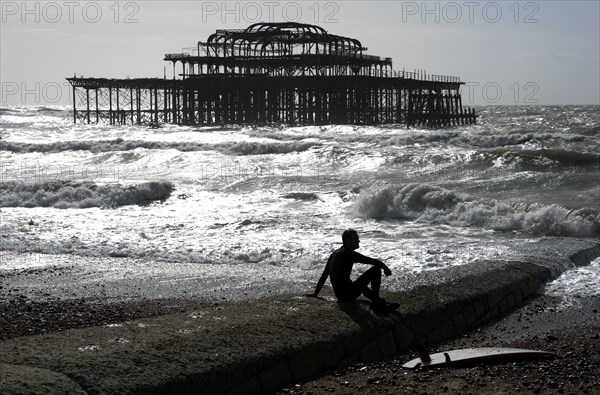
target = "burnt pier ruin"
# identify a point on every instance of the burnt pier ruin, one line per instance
(275, 73)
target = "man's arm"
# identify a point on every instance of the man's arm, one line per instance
(360, 258)
(321, 281)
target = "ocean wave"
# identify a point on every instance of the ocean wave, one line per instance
(119, 144)
(391, 139)
(384, 201)
(499, 140)
(52, 110)
(72, 194)
(545, 156)
(33, 111)
(301, 196)
(265, 148)
(436, 205)
(491, 141)
(8, 111)
(589, 130)
(453, 137)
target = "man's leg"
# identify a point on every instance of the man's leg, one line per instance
(373, 277)
(361, 285)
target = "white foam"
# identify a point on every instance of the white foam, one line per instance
(579, 282)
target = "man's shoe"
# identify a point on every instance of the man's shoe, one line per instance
(392, 306)
(380, 306)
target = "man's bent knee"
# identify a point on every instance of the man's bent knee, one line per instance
(374, 271)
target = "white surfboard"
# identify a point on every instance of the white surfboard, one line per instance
(473, 355)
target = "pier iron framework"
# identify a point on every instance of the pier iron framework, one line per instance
(275, 73)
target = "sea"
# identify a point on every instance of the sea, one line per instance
(280, 196)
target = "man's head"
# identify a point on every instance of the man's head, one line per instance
(350, 239)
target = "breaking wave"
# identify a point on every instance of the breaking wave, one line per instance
(432, 204)
(72, 194)
(119, 144)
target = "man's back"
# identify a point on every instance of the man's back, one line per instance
(339, 266)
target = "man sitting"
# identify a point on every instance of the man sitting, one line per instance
(339, 266)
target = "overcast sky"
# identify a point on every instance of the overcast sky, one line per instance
(506, 52)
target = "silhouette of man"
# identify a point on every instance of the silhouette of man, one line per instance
(339, 266)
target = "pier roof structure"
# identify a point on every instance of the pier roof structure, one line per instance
(279, 49)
